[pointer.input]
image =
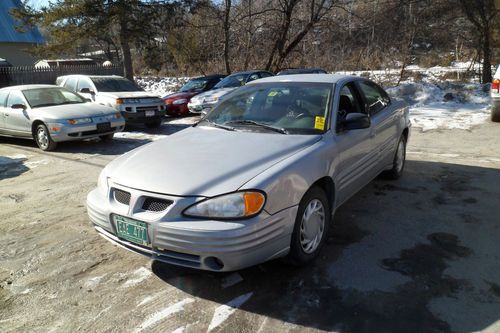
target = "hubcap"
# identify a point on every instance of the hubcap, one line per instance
(43, 139)
(312, 226)
(400, 156)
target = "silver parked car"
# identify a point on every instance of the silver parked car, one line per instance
(279, 156)
(50, 114)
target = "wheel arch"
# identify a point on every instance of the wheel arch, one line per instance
(34, 126)
(326, 184)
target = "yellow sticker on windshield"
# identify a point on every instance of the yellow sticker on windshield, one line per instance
(272, 93)
(319, 123)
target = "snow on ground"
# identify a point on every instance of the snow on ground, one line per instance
(444, 105)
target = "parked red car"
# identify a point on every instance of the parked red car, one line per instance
(177, 103)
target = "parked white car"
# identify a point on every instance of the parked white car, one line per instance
(495, 97)
(50, 114)
(135, 105)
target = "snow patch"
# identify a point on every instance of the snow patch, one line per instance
(224, 311)
(138, 275)
(168, 311)
(231, 280)
(161, 86)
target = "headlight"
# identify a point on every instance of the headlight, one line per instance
(180, 101)
(55, 127)
(113, 116)
(102, 183)
(229, 206)
(79, 121)
(211, 100)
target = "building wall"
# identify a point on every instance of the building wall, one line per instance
(16, 53)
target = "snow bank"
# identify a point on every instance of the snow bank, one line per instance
(444, 105)
(161, 86)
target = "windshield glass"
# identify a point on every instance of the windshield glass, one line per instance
(232, 81)
(51, 96)
(294, 108)
(194, 85)
(114, 84)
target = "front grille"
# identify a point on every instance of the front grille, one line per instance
(121, 196)
(78, 134)
(155, 205)
(146, 108)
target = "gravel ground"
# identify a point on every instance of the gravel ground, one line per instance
(417, 255)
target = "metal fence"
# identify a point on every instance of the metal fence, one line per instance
(11, 76)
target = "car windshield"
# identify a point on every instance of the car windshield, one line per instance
(232, 81)
(114, 84)
(284, 107)
(51, 96)
(194, 85)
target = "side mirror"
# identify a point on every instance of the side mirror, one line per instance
(354, 121)
(18, 106)
(87, 91)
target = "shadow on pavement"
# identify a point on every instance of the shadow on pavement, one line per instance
(11, 167)
(399, 254)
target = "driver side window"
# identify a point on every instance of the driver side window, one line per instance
(84, 83)
(349, 102)
(15, 97)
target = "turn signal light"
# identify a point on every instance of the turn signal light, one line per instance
(72, 121)
(253, 202)
(495, 85)
(119, 101)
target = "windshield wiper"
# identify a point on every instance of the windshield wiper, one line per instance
(255, 123)
(227, 128)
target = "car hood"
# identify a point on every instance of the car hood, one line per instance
(128, 94)
(179, 95)
(68, 111)
(204, 161)
(214, 93)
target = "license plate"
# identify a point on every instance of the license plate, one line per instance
(132, 230)
(150, 113)
(104, 127)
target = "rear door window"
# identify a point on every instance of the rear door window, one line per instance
(264, 74)
(253, 77)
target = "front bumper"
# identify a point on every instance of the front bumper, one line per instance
(141, 114)
(85, 131)
(201, 244)
(177, 109)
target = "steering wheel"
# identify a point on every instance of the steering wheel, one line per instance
(297, 112)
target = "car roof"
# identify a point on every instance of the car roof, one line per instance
(249, 72)
(91, 76)
(315, 70)
(211, 76)
(30, 86)
(313, 78)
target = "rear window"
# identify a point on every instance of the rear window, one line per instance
(3, 97)
(112, 84)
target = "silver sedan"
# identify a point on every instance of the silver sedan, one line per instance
(259, 178)
(50, 114)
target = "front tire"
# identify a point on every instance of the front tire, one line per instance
(495, 114)
(399, 161)
(311, 227)
(43, 139)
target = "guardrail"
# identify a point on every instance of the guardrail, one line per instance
(11, 76)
